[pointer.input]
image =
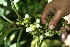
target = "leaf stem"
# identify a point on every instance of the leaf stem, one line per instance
(39, 6)
(7, 32)
(14, 8)
(6, 18)
(17, 45)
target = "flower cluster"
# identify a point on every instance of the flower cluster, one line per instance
(35, 28)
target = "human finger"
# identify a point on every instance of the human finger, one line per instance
(55, 19)
(46, 12)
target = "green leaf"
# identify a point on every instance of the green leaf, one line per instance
(4, 33)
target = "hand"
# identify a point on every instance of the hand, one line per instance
(60, 8)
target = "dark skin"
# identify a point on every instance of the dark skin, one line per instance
(60, 8)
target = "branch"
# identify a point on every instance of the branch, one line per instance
(17, 45)
(5, 18)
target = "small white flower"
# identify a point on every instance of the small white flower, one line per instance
(67, 18)
(49, 1)
(41, 37)
(47, 34)
(37, 25)
(15, 1)
(30, 29)
(27, 29)
(37, 20)
(26, 16)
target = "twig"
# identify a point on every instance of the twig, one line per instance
(6, 18)
(14, 8)
(17, 45)
(39, 6)
(1, 39)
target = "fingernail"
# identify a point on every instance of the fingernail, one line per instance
(43, 22)
(51, 27)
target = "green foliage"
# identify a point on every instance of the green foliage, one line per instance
(28, 14)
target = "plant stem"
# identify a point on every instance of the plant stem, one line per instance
(40, 43)
(14, 8)
(6, 33)
(17, 45)
(5, 18)
(39, 6)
